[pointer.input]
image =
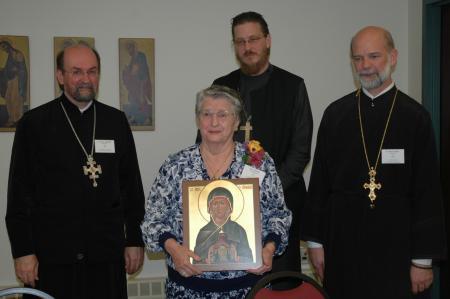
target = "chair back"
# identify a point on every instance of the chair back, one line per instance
(29, 291)
(308, 288)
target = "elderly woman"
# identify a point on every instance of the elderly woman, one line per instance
(216, 157)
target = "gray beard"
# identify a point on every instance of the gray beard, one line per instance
(378, 81)
(84, 98)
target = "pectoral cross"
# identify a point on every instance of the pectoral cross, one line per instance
(372, 186)
(247, 128)
(91, 169)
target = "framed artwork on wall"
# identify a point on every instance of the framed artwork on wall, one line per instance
(14, 80)
(222, 223)
(137, 82)
(62, 42)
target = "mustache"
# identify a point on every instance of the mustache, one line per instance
(366, 73)
(249, 52)
(85, 85)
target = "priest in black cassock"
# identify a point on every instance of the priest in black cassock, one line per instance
(374, 217)
(75, 196)
(277, 113)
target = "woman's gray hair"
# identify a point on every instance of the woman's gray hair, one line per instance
(219, 92)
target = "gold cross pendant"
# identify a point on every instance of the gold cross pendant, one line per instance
(372, 186)
(91, 169)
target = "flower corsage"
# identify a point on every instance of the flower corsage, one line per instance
(254, 153)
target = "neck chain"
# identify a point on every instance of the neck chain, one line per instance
(372, 185)
(90, 168)
(216, 172)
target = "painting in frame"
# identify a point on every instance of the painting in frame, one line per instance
(222, 223)
(136, 82)
(14, 80)
(62, 42)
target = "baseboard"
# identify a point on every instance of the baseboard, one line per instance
(138, 288)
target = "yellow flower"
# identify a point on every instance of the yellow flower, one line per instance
(254, 146)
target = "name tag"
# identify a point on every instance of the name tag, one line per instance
(251, 172)
(393, 156)
(104, 146)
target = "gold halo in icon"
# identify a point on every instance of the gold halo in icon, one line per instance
(238, 199)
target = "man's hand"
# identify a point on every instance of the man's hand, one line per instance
(27, 269)
(317, 258)
(134, 258)
(180, 256)
(421, 279)
(267, 259)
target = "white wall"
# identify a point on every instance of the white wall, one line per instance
(415, 49)
(193, 46)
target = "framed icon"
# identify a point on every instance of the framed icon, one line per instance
(222, 223)
(14, 80)
(137, 84)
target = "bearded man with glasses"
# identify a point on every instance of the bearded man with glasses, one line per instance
(75, 196)
(278, 113)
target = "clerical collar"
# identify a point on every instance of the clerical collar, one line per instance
(367, 93)
(86, 108)
(80, 109)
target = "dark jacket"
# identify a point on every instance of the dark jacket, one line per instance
(282, 122)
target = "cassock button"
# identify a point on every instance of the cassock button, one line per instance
(80, 256)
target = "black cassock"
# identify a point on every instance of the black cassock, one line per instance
(78, 232)
(368, 251)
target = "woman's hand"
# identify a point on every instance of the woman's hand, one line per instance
(180, 256)
(267, 257)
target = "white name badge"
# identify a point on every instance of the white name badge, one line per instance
(251, 172)
(104, 146)
(393, 156)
